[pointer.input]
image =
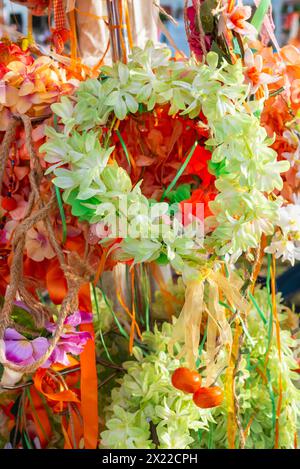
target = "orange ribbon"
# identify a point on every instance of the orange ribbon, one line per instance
(278, 341)
(73, 36)
(89, 381)
(40, 417)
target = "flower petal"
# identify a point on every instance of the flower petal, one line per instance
(19, 351)
(40, 346)
(12, 334)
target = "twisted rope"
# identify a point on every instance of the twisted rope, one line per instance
(76, 272)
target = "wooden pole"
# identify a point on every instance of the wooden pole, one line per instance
(1, 12)
(115, 30)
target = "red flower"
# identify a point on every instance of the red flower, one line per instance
(12, 52)
(199, 196)
(3, 70)
(198, 166)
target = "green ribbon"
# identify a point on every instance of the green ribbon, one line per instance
(62, 214)
(180, 171)
(100, 331)
(259, 15)
(201, 347)
(123, 146)
(121, 329)
(59, 199)
(261, 314)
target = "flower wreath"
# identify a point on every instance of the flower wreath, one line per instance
(143, 107)
(223, 159)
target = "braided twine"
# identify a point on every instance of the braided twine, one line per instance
(75, 270)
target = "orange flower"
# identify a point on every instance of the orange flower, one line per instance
(236, 19)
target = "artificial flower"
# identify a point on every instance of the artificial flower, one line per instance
(70, 341)
(29, 85)
(21, 351)
(212, 96)
(236, 19)
(283, 247)
(285, 243)
(254, 73)
(37, 243)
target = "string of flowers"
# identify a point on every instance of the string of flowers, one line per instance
(246, 167)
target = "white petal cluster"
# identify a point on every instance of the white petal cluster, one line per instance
(286, 241)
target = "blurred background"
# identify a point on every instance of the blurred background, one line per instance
(286, 14)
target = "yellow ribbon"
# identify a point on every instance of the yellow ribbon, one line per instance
(187, 327)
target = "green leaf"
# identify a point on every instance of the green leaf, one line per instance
(207, 18)
(183, 192)
(21, 317)
(78, 206)
(217, 169)
(162, 259)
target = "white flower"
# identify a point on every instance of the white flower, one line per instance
(294, 156)
(289, 218)
(286, 243)
(254, 74)
(236, 20)
(285, 248)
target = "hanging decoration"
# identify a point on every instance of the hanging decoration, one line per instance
(187, 164)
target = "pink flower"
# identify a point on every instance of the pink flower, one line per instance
(194, 36)
(17, 349)
(254, 74)
(19, 212)
(37, 243)
(71, 341)
(21, 351)
(7, 231)
(236, 20)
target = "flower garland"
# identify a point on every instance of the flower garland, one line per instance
(153, 136)
(246, 167)
(280, 117)
(28, 85)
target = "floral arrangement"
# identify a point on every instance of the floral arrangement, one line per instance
(218, 93)
(28, 86)
(280, 118)
(146, 411)
(155, 164)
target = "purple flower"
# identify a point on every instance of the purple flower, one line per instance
(70, 341)
(194, 35)
(22, 351)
